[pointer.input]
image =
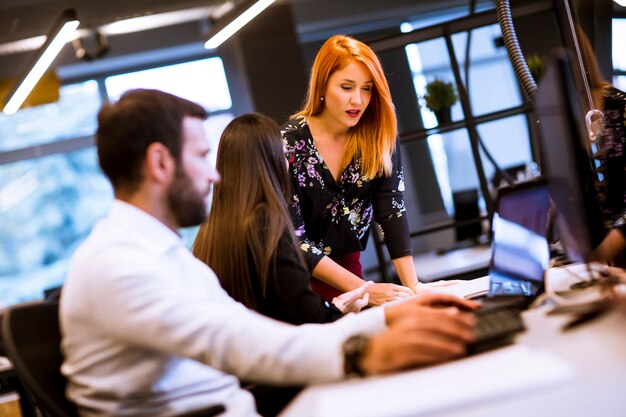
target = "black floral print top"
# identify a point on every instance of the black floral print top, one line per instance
(612, 156)
(333, 218)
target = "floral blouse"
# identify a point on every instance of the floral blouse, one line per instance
(612, 156)
(332, 217)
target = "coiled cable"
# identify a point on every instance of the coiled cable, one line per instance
(518, 61)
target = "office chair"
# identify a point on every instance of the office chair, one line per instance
(33, 342)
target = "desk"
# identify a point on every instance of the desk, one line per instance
(431, 266)
(593, 383)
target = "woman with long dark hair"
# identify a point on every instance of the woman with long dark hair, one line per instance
(248, 239)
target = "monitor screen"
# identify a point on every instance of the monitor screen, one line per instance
(567, 165)
(520, 249)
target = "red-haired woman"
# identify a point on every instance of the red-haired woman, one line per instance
(344, 160)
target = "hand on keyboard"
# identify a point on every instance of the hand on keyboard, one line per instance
(496, 327)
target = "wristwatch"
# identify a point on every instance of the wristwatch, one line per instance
(354, 349)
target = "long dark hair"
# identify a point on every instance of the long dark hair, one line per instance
(249, 213)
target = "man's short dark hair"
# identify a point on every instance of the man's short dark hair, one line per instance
(127, 127)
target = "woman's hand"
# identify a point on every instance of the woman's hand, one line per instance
(353, 301)
(381, 293)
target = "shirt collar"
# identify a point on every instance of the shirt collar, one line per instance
(146, 229)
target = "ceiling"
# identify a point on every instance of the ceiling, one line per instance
(21, 19)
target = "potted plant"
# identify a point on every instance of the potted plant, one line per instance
(440, 97)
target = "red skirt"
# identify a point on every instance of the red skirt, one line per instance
(351, 262)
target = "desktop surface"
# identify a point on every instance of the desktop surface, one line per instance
(547, 372)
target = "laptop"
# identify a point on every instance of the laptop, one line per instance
(520, 252)
(519, 260)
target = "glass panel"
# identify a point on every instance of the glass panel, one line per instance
(429, 60)
(47, 207)
(490, 71)
(440, 16)
(619, 52)
(454, 164)
(74, 115)
(508, 142)
(620, 82)
(202, 81)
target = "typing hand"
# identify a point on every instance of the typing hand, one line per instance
(618, 274)
(381, 293)
(429, 335)
(447, 300)
(353, 301)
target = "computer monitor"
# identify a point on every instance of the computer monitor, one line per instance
(568, 167)
(567, 23)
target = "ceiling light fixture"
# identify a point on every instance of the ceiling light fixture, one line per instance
(22, 45)
(621, 2)
(235, 20)
(60, 34)
(155, 21)
(125, 26)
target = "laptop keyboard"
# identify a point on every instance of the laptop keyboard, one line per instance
(496, 327)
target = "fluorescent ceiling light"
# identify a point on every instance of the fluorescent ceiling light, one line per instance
(23, 45)
(61, 33)
(237, 23)
(621, 2)
(154, 21)
(36, 42)
(121, 27)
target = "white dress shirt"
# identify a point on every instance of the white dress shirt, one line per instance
(148, 330)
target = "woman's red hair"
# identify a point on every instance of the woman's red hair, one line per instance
(373, 139)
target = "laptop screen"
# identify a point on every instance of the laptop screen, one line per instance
(520, 248)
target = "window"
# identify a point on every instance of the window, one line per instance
(620, 82)
(454, 165)
(202, 81)
(428, 61)
(53, 192)
(47, 206)
(490, 70)
(74, 115)
(492, 88)
(507, 141)
(619, 54)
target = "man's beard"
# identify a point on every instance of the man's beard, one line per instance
(187, 204)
